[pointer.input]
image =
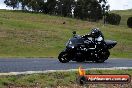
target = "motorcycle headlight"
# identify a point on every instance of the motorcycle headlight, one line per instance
(72, 47)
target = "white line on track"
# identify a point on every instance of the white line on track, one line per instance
(50, 71)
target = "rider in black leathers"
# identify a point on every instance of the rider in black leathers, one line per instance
(96, 34)
(96, 37)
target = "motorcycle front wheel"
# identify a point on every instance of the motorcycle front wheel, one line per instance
(63, 57)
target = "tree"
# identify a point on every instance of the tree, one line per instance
(24, 4)
(51, 6)
(79, 9)
(105, 9)
(11, 3)
(129, 22)
(95, 11)
(82, 9)
(88, 9)
(113, 19)
(33, 4)
(64, 7)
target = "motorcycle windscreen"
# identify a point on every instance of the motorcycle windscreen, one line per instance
(76, 41)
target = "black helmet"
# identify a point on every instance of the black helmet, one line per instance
(95, 32)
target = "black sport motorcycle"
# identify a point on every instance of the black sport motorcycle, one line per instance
(80, 49)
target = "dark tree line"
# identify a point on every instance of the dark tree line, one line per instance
(92, 10)
(113, 19)
(129, 22)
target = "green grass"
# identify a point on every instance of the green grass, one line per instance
(67, 79)
(39, 35)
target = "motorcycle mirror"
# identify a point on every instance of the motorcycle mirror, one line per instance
(74, 32)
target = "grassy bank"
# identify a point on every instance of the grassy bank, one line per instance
(62, 79)
(39, 35)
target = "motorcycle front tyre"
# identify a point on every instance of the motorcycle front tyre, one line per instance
(63, 57)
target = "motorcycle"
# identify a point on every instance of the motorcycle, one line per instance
(80, 49)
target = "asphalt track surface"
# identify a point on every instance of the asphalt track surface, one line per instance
(43, 64)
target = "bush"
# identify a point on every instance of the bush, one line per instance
(113, 19)
(129, 22)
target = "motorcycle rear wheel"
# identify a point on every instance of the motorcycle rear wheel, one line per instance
(63, 57)
(79, 57)
(102, 57)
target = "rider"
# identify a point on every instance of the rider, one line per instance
(96, 35)
(96, 38)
